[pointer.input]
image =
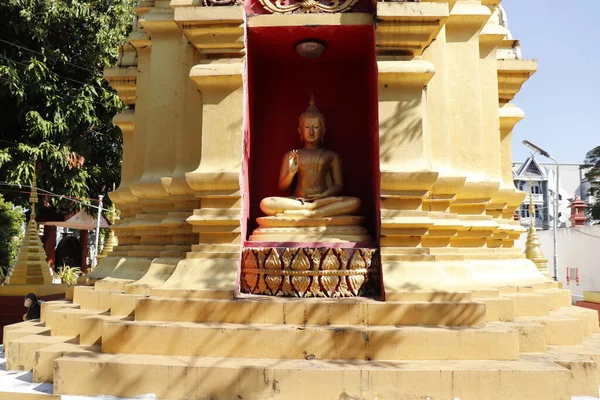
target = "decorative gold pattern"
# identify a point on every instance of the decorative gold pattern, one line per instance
(213, 3)
(308, 6)
(304, 272)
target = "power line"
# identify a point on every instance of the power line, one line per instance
(586, 234)
(61, 97)
(37, 52)
(47, 192)
(61, 76)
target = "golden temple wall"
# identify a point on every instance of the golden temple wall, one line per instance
(445, 126)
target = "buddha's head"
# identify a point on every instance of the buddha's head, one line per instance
(311, 124)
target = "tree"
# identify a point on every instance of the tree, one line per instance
(11, 235)
(592, 161)
(56, 106)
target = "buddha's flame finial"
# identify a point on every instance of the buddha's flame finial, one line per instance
(312, 111)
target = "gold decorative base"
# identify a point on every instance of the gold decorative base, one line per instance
(341, 229)
(310, 272)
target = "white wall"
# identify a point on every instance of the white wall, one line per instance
(577, 248)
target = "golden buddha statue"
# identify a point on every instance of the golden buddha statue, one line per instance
(312, 166)
(316, 212)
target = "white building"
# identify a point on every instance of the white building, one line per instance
(543, 186)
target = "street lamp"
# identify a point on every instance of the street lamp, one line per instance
(100, 197)
(555, 225)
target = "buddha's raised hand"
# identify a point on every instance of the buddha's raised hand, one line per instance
(293, 161)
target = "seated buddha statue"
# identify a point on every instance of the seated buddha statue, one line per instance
(316, 211)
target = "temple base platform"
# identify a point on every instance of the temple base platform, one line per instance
(509, 342)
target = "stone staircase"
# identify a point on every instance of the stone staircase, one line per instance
(510, 343)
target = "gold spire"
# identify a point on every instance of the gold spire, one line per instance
(111, 240)
(31, 267)
(533, 250)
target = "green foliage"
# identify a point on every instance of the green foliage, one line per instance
(592, 161)
(55, 103)
(11, 234)
(68, 274)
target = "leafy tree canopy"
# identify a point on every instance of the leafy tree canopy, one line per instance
(592, 161)
(11, 235)
(56, 106)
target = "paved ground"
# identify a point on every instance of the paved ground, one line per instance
(17, 381)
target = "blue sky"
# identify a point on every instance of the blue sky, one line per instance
(561, 101)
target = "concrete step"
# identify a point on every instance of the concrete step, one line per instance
(422, 295)
(123, 304)
(587, 316)
(20, 353)
(43, 364)
(529, 304)
(14, 334)
(49, 306)
(485, 293)
(20, 325)
(166, 291)
(310, 341)
(94, 299)
(560, 330)
(584, 372)
(275, 310)
(557, 298)
(497, 308)
(67, 321)
(169, 377)
(590, 352)
(532, 335)
(27, 396)
(90, 328)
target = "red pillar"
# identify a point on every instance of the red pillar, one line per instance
(50, 244)
(84, 238)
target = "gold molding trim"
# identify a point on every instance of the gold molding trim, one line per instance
(308, 6)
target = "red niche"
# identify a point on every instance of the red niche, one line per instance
(279, 83)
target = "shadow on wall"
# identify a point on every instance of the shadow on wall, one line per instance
(402, 128)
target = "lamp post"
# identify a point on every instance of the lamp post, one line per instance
(555, 225)
(100, 197)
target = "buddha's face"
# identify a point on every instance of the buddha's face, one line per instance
(311, 130)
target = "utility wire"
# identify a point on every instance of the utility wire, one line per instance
(62, 97)
(47, 192)
(61, 76)
(37, 52)
(586, 234)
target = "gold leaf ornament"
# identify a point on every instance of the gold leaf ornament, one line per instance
(307, 6)
(286, 257)
(251, 281)
(356, 282)
(273, 282)
(301, 262)
(300, 283)
(329, 284)
(330, 262)
(272, 261)
(357, 261)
